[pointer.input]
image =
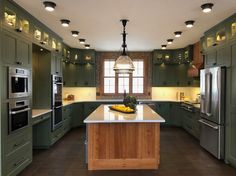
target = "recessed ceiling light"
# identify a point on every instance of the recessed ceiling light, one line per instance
(206, 8)
(65, 22)
(75, 33)
(170, 41)
(189, 24)
(49, 6)
(163, 46)
(87, 46)
(177, 33)
(82, 41)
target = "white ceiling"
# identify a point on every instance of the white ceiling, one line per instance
(151, 21)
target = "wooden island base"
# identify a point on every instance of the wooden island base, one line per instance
(117, 146)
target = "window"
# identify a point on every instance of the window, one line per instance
(120, 83)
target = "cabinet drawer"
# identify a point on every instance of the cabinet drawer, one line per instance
(41, 118)
(16, 162)
(67, 112)
(67, 125)
(57, 134)
(16, 141)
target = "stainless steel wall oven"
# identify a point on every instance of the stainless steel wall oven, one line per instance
(18, 82)
(19, 114)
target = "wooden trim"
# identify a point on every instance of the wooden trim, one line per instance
(145, 56)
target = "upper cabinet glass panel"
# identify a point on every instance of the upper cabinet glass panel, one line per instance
(23, 25)
(210, 41)
(233, 29)
(54, 44)
(10, 17)
(59, 47)
(220, 36)
(37, 34)
(45, 38)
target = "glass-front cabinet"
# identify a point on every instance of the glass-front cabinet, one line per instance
(45, 39)
(9, 18)
(233, 29)
(23, 25)
(37, 34)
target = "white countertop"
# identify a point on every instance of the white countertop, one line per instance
(39, 112)
(69, 102)
(144, 114)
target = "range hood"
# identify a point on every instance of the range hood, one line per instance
(197, 63)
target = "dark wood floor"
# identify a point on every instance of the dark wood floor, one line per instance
(181, 155)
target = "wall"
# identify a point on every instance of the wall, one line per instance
(170, 93)
(158, 93)
(80, 93)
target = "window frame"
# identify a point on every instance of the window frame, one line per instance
(146, 72)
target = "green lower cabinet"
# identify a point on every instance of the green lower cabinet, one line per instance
(190, 122)
(163, 109)
(17, 152)
(175, 114)
(89, 107)
(77, 114)
(42, 133)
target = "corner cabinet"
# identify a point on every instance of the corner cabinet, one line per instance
(16, 50)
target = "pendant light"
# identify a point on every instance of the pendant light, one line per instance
(49, 6)
(65, 22)
(124, 64)
(206, 8)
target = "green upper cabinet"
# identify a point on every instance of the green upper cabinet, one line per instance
(86, 75)
(87, 56)
(56, 64)
(16, 50)
(218, 56)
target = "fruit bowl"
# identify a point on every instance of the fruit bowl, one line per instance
(122, 108)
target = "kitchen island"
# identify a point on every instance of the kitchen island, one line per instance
(123, 141)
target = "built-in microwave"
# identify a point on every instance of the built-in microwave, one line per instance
(18, 82)
(19, 113)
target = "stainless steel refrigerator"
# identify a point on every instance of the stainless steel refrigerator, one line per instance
(212, 89)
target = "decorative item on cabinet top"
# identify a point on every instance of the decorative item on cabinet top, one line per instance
(81, 57)
(173, 56)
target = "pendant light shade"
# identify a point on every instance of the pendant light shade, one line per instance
(124, 64)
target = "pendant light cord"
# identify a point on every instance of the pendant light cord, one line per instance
(124, 22)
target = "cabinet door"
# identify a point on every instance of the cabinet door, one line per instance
(224, 56)
(175, 114)
(163, 109)
(231, 127)
(24, 53)
(210, 58)
(8, 48)
(53, 64)
(77, 114)
(58, 65)
(86, 75)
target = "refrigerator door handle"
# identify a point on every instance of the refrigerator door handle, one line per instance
(207, 124)
(208, 96)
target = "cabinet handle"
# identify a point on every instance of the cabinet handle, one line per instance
(214, 63)
(18, 144)
(19, 162)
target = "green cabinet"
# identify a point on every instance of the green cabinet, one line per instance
(172, 76)
(87, 56)
(56, 64)
(89, 107)
(190, 122)
(219, 56)
(75, 75)
(16, 50)
(77, 114)
(175, 118)
(163, 109)
(231, 110)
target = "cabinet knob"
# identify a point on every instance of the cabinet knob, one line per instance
(19, 63)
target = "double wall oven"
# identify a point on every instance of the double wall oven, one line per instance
(56, 101)
(19, 91)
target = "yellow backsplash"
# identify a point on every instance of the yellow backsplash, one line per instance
(158, 93)
(80, 93)
(169, 93)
